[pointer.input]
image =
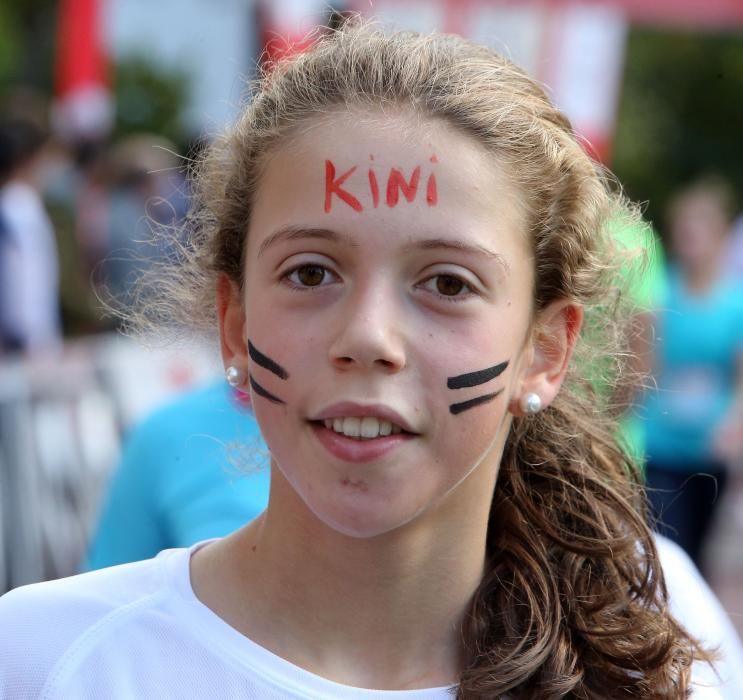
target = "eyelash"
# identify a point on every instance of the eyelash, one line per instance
(298, 286)
(467, 288)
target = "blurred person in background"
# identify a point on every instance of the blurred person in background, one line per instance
(148, 190)
(190, 471)
(29, 267)
(695, 415)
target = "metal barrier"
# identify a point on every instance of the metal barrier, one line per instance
(62, 418)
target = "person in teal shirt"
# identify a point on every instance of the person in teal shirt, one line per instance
(694, 417)
(191, 471)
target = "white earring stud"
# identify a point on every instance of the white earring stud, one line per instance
(531, 404)
(234, 376)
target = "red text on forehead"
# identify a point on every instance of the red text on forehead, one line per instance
(396, 184)
(334, 186)
(353, 192)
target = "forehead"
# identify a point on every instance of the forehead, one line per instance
(398, 172)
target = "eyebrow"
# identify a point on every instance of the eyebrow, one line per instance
(294, 233)
(462, 247)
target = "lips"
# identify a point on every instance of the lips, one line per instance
(356, 433)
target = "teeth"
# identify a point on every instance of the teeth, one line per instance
(366, 428)
(352, 427)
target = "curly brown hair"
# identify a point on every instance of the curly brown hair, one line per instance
(573, 601)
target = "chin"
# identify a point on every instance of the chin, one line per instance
(363, 520)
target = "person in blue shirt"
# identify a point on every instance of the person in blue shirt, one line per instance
(695, 415)
(193, 470)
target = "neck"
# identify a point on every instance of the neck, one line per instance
(311, 594)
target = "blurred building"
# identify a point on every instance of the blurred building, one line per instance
(214, 42)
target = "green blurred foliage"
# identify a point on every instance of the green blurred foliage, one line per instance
(27, 43)
(9, 44)
(150, 98)
(680, 114)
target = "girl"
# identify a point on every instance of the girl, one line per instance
(401, 238)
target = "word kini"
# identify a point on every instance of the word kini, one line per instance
(335, 185)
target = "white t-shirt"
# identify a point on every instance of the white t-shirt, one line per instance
(138, 631)
(698, 610)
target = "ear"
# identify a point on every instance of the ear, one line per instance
(548, 353)
(232, 323)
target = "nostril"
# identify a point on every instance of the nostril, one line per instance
(387, 364)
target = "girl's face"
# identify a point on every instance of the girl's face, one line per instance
(387, 305)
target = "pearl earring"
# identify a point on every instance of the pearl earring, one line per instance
(234, 376)
(531, 404)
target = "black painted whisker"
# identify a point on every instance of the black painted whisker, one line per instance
(482, 376)
(266, 362)
(456, 408)
(258, 389)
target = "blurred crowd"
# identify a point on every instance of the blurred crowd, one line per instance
(77, 220)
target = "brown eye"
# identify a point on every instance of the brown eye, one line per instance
(449, 286)
(310, 275)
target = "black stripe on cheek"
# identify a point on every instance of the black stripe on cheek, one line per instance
(266, 362)
(462, 381)
(456, 408)
(258, 389)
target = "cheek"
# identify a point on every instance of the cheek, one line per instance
(278, 336)
(473, 358)
(476, 372)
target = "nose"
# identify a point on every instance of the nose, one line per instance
(369, 334)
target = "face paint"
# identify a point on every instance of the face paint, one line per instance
(272, 366)
(456, 408)
(266, 362)
(398, 182)
(474, 378)
(258, 389)
(333, 186)
(470, 379)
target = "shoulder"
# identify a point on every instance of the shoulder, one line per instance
(194, 429)
(22, 205)
(208, 409)
(691, 599)
(46, 624)
(696, 607)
